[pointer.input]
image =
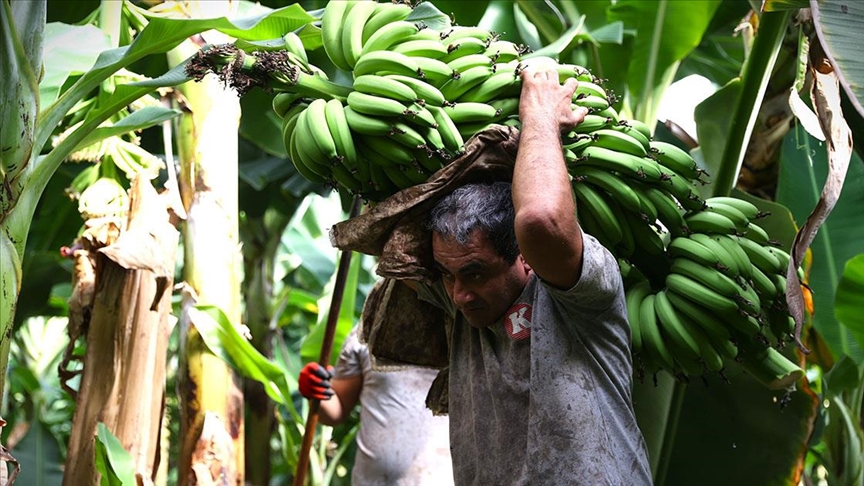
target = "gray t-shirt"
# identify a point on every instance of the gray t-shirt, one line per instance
(399, 442)
(544, 396)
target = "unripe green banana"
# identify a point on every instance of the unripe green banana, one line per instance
(618, 141)
(676, 330)
(433, 71)
(385, 13)
(507, 108)
(684, 247)
(706, 275)
(421, 48)
(761, 257)
(604, 215)
(652, 339)
(387, 87)
(388, 35)
(731, 212)
(337, 124)
(756, 234)
(504, 51)
(728, 262)
(457, 32)
(407, 135)
(675, 159)
(317, 126)
(466, 46)
(668, 211)
(634, 296)
(294, 45)
(375, 105)
(592, 123)
(626, 126)
(749, 209)
(467, 112)
(386, 62)
(611, 183)
(465, 63)
(682, 189)
(331, 33)
(448, 130)
(733, 246)
(425, 92)
(367, 125)
(690, 289)
(763, 285)
(710, 222)
(420, 116)
(282, 102)
(592, 102)
(710, 323)
(464, 81)
(494, 87)
(356, 15)
(390, 153)
(640, 168)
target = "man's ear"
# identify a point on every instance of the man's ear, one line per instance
(524, 263)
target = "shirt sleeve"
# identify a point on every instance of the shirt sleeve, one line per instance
(599, 284)
(351, 357)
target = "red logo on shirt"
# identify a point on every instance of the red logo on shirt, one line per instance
(517, 322)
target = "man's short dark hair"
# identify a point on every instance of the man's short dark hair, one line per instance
(487, 207)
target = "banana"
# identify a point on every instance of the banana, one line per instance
(629, 165)
(627, 246)
(507, 107)
(468, 111)
(588, 88)
(582, 74)
(780, 322)
(610, 113)
(294, 45)
(610, 183)
(448, 130)
(731, 212)
(710, 222)
(367, 125)
(307, 152)
(729, 263)
(604, 215)
(320, 132)
(592, 102)
(464, 81)
(504, 51)
(626, 126)
(708, 353)
(618, 141)
(382, 186)
(749, 209)
(386, 62)
(390, 153)
(755, 233)
(373, 84)
(407, 135)
(466, 46)
(397, 175)
(674, 328)
(388, 35)
(434, 71)
(675, 159)
(642, 128)
(770, 367)
(761, 256)
(668, 211)
(425, 92)
(425, 34)
(732, 245)
(749, 300)
(589, 224)
(331, 33)
(763, 285)
(592, 123)
(648, 242)
(633, 298)
(684, 247)
(688, 288)
(419, 115)
(337, 125)
(282, 102)
(465, 63)
(711, 324)
(652, 340)
(375, 105)
(291, 147)
(421, 48)
(457, 32)
(683, 190)
(356, 15)
(494, 87)
(385, 13)
(431, 161)
(706, 275)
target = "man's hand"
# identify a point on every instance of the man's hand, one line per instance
(544, 101)
(315, 381)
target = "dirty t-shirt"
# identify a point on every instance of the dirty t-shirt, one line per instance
(543, 397)
(399, 442)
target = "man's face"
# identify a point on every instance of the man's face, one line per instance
(480, 283)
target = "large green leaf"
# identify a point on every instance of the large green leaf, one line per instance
(850, 298)
(138, 120)
(113, 462)
(69, 50)
(838, 25)
(803, 171)
(666, 31)
(40, 457)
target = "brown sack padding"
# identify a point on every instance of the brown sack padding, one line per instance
(395, 229)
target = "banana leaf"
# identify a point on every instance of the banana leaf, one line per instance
(838, 25)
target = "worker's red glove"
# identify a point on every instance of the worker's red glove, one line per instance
(315, 381)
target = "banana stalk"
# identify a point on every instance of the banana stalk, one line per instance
(274, 70)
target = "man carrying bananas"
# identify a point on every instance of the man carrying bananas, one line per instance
(540, 372)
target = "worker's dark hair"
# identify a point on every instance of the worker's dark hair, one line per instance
(487, 207)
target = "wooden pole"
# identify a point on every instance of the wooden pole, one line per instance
(324, 359)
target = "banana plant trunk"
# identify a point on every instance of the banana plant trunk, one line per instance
(211, 401)
(123, 381)
(261, 237)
